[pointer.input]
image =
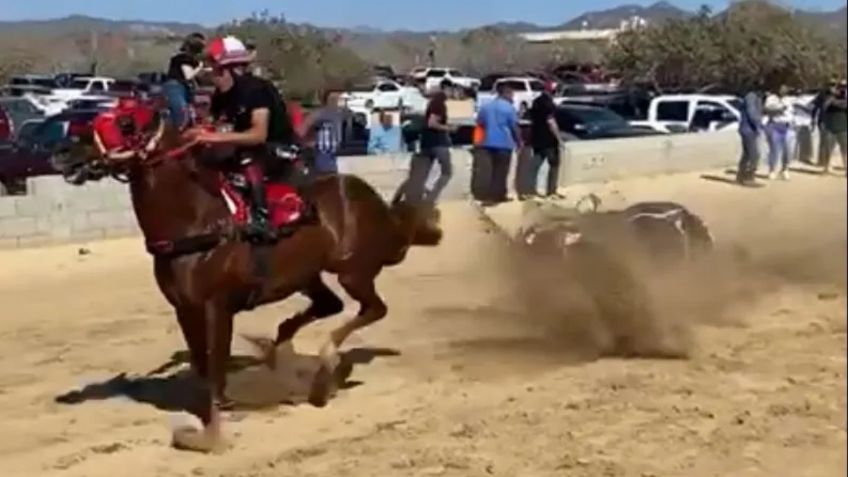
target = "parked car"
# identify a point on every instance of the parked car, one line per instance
(19, 110)
(64, 79)
(677, 113)
(83, 86)
(29, 154)
(374, 94)
(384, 94)
(41, 81)
(525, 90)
(632, 105)
(446, 78)
(583, 122)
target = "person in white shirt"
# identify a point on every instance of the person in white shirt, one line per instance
(779, 110)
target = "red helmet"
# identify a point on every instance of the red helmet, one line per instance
(228, 50)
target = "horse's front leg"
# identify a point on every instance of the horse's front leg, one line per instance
(209, 335)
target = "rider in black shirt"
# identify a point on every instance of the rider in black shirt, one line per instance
(257, 113)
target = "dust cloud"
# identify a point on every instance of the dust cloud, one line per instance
(605, 300)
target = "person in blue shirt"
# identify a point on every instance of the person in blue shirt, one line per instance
(501, 136)
(385, 137)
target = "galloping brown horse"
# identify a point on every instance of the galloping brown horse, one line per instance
(208, 274)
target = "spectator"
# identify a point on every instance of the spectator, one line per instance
(183, 69)
(435, 145)
(384, 137)
(323, 131)
(750, 128)
(546, 141)
(501, 137)
(834, 127)
(780, 131)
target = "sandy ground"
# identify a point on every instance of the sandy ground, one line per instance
(452, 383)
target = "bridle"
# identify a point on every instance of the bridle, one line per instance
(118, 162)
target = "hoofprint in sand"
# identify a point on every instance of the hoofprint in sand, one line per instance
(456, 380)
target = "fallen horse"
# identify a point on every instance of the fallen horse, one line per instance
(612, 256)
(663, 232)
(209, 272)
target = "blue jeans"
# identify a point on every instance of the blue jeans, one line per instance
(325, 163)
(177, 96)
(781, 141)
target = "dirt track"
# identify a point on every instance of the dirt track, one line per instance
(451, 382)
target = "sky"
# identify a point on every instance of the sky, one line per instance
(383, 14)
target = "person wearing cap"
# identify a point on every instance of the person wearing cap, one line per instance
(258, 116)
(183, 69)
(546, 141)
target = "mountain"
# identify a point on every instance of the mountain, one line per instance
(833, 22)
(612, 18)
(81, 23)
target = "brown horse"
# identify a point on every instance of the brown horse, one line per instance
(209, 275)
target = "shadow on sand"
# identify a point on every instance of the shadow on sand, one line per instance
(251, 384)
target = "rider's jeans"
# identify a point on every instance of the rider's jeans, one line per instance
(176, 94)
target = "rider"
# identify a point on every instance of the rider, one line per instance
(257, 113)
(182, 72)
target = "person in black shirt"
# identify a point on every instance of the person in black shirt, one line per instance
(257, 114)
(182, 70)
(546, 141)
(435, 146)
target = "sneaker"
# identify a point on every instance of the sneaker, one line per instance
(772, 176)
(784, 175)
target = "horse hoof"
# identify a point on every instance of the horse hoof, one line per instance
(323, 387)
(191, 439)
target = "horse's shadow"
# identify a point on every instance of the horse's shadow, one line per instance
(251, 384)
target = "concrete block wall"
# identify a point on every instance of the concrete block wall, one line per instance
(55, 212)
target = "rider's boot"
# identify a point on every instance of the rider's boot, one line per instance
(259, 227)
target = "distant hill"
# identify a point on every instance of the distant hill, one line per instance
(81, 23)
(835, 22)
(612, 18)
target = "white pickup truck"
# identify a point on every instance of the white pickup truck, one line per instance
(693, 112)
(525, 90)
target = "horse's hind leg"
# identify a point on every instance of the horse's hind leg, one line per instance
(324, 303)
(372, 309)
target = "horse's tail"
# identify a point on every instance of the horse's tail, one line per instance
(697, 234)
(418, 224)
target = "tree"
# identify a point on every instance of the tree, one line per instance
(302, 60)
(752, 44)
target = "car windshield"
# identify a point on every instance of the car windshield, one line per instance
(44, 82)
(598, 117)
(364, 87)
(436, 73)
(79, 84)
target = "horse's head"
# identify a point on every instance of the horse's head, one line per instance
(120, 139)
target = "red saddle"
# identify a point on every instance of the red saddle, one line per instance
(285, 206)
